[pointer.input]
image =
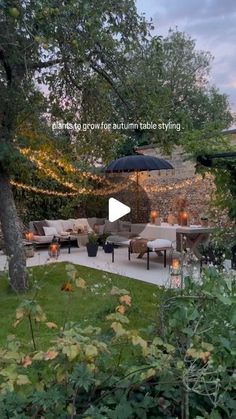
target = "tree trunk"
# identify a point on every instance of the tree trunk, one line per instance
(12, 235)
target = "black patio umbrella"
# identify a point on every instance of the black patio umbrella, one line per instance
(137, 163)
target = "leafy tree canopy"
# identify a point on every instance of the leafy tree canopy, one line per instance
(169, 83)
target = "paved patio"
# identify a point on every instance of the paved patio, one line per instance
(135, 268)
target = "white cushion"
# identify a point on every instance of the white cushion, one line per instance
(50, 231)
(159, 244)
(43, 239)
(119, 240)
(55, 223)
(68, 224)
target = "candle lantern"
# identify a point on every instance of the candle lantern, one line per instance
(54, 248)
(29, 236)
(175, 277)
(183, 217)
(233, 260)
(153, 216)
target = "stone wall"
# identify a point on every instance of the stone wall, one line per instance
(159, 192)
(163, 187)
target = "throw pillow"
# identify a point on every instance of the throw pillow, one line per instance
(38, 226)
(50, 231)
(57, 224)
(68, 224)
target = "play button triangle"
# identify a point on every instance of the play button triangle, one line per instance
(117, 209)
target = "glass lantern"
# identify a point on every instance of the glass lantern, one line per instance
(153, 217)
(54, 248)
(175, 274)
(29, 236)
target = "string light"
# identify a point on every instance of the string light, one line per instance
(38, 156)
(39, 190)
(113, 190)
(108, 187)
(80, 191)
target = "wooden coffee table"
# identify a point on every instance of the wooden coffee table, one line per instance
(194, 237)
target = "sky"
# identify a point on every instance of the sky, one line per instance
(212, 23)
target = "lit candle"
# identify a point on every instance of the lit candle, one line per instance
(154, 215)
(53, 249)
(175, 264)
(184, 219)
(29, 236)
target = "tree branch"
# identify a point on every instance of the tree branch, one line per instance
(46, 64)
(104, 74)
(6, 67)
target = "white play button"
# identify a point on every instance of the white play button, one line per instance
(117, 209)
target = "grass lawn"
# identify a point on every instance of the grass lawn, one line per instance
(87, 306)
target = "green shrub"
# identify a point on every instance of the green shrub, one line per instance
(182, 366)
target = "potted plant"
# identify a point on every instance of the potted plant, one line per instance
(92, 245)
(107, 247)
(102, 241)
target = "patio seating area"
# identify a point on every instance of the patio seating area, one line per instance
(135, 268)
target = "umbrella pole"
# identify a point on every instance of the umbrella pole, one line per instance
(137, 196)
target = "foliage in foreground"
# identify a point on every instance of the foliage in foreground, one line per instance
(182, 366)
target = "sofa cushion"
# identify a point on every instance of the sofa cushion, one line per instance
(50, 231)
(38, 227)
(124, 226)
(68, 224)
(159, 244)
(43, 239)
(111, 227)
(55, 223)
